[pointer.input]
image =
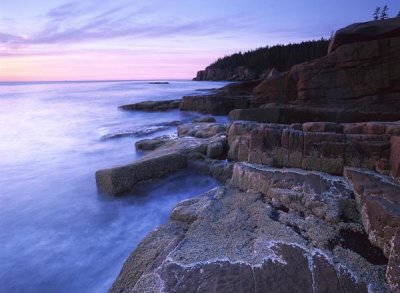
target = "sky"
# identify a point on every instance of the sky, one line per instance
(45, 40)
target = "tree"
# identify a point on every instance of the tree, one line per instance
(376, 13)
(384, 14)
(398, 14)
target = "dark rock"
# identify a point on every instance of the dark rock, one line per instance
(152, 144)
(152, 106)
(365, 31)
(216, 150)
(202, 130)
(288, 114)
(357, 82)
(213, 104)
(232, 96)
(203, 119)
(159, 82)
(239, 73)
(395, 157)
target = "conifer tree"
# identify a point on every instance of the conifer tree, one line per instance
(376, 13)
(384, 14)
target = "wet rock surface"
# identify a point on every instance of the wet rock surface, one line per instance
(152, 106)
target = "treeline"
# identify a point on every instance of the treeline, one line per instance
(281, 57)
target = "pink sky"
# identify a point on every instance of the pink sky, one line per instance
(120, 39)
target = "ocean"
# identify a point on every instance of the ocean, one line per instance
(57, 232)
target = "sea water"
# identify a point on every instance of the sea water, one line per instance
(57, 232)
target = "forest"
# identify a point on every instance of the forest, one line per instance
(280, 57)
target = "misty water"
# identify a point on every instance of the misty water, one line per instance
(57, 232)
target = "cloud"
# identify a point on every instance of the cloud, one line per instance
(75, 22)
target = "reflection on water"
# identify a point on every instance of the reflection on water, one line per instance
(57, 233)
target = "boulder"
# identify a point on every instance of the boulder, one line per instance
(152, 106)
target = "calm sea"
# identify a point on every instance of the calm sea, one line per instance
(57, 232)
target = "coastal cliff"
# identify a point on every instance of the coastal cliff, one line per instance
(258, 63)
(310, 180)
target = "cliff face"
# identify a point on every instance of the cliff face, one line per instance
(311, 196)
(237, 74)
(362, 75)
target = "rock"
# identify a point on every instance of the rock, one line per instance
(170, 157)
(153, 143)
(140, 131)
(202, 130)
(378, 201)
(122, 179)
(232, 96)
(282, 145)
(395, 157)
(309, 192)
(357, 82)
(221, 170)
(365, 31)
(216, 150)
(287, 114)
(393, 269)
(230, 241)
(203, 119)
(213, 104)
(152, 106)
(320, 127)
(237, 74)
(159, 82)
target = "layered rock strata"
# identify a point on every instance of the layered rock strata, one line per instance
(326, 147)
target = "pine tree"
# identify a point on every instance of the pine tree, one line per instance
(398, 14)
(376, 13)
(384, 14)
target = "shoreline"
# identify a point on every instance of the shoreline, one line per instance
(310, 181)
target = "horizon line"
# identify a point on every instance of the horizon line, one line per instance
(94, 80)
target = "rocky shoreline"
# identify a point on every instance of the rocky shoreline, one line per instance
(310, 180)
